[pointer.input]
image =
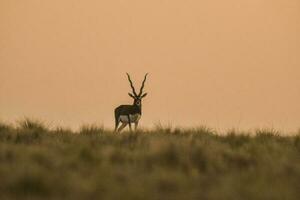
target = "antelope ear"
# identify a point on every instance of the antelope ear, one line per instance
(144, 95)
(131, 95)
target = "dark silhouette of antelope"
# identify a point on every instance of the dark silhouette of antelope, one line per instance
(128, 114)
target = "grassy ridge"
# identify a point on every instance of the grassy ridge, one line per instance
(39, 163)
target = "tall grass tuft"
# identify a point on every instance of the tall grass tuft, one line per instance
(91, 130)
(32, 124)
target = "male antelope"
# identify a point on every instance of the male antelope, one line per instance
(128, 114)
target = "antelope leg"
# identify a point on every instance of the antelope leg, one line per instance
(136, 125)
(129, 122)
(122, 127)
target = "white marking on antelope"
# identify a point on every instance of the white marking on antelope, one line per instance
(133, 118)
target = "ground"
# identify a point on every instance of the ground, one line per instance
(37, 162)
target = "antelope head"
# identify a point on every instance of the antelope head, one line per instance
(137, 97)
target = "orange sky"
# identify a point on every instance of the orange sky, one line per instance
(220, 63)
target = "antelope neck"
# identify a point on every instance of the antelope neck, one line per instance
(138, 108)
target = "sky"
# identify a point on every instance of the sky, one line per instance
(223, 64)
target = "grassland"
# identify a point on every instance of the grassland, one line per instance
(41, 163)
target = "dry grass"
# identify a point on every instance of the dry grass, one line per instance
(41, 163)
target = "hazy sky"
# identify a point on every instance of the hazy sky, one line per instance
(224, 64)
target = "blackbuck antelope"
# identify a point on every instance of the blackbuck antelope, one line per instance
(128, 114)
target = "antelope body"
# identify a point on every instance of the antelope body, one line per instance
(127, 114)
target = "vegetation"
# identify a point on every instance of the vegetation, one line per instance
(37, 162)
